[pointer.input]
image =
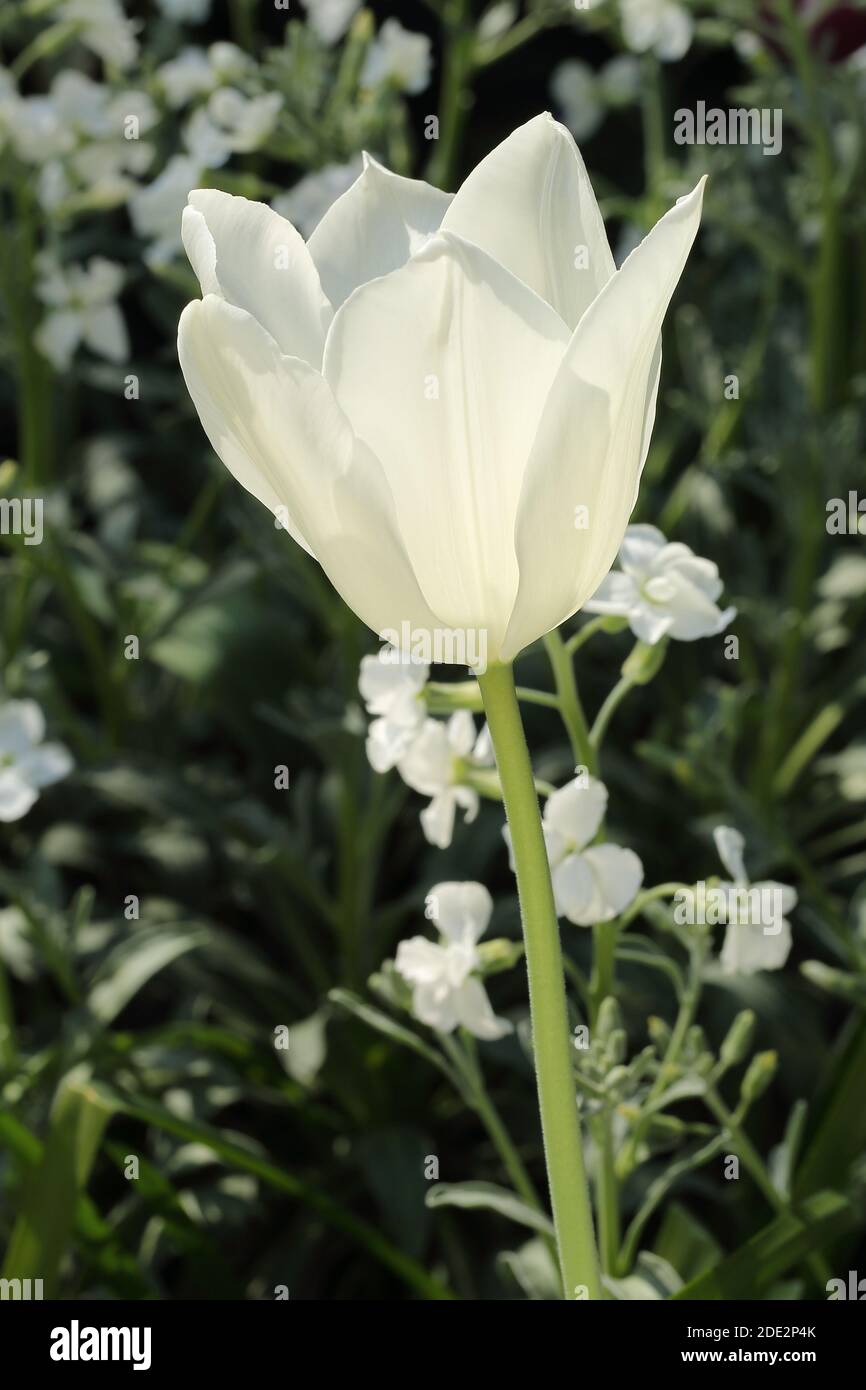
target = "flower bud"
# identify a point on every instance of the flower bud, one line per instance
(762, 1069)
(739, 1036)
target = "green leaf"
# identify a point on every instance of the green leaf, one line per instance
(686, 1245)
(149, 1112)
(653, 1279)
(374, 1018)
(534, 1270)
(52, 1190)
(750, 1271)
(132, 964)
(839, 1132)
(489, 1197)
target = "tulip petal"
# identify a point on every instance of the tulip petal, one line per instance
(530, 205)
(253, 258)
(276, 426)
(374, 228)
(443, 369)
(593, 435)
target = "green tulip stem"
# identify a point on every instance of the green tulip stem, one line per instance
(569, 1193)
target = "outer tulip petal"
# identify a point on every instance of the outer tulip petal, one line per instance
(374, 228)
(255, 259)
(443, 369)
(276, 426)
(592, 437)
(530, 204)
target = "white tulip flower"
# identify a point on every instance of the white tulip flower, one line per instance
(659, 26)
(435, 765)
(758, 934)
(663, 589)
(446, 993)
(591, 883)
(26, 763)
(428, 390)
(391, 685)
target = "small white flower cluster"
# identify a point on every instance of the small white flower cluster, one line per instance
(752, 946)
(27, 764)
(663, 589)
(447, 992)
(431, 756)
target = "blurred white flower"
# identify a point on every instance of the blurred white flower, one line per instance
(663, 589)
(36, 130)
(398, 56)
(582, 95)
(156, 208)
(446, 994)
(497, 20)
(574, 88)
(103, 27)
(391, 686)
(435, 765)
(306, 204)
(330, 18)
(26, 763)
(591, 883)
(660, 26)
(246, 122)
(189, 75)
(758, 934)
(186, 11)
(82, 308)
(228, 62)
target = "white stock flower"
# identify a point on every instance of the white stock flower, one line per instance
(446, 993)
(391, 686)
(399, 56)
(306, 204)
(435, 764)
(752, 945)
(660, 26)
(26, 763)
(591, 883)
(185, 77)
(82, 308)
(103, 27)
(243, 122)
(456, 333)
(330, 19)
(663, 589)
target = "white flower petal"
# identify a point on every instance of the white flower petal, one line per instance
(22, 725)
(617, 874)
(373, 228)
(443, 369)
(46, 764)
(435, 1006)
(16, 795)
(420, 961)
(437, 819)
(592, 437)
(573, 889)
(730, 845)
(427, 767)
(530, 204)
(461, 911)
(256, 260)
(473, 1010)
(276, 426)
(575, 811)
(616, 595)
(747, 949)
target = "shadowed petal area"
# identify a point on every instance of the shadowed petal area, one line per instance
(530, 204)
(374, 228)
(276, 426)
(443, 369)
(592, 439)
(255, 259)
